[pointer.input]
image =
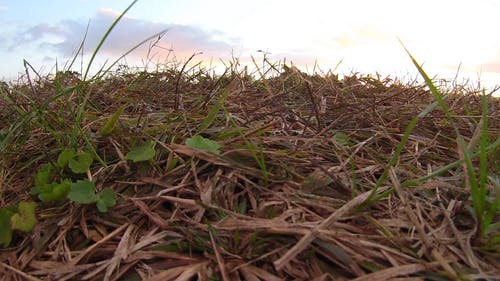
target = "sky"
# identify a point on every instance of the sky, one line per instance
(448, 37)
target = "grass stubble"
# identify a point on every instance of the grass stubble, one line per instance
(318, 178)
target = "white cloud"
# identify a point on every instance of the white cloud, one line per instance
(66, 36)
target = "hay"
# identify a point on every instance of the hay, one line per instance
(283, 200)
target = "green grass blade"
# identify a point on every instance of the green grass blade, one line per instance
(483, 143)
(260, 158)
(82, 105)
(214, 110)
(394, 159)
(450, 166)
(109, 125)
(441, 101)
(103, 39)
(80, 48)
(477, 186)
(493, 208)
(428, 81)
(483, 168)
(28, 116)
(101, 73)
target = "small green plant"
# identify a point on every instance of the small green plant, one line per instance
(83, 192)
(20, 217)
(141, 153)
(48, 189)
(78, 162)
(50, 192)
(201, 143)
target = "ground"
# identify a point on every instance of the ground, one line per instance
(291, 177)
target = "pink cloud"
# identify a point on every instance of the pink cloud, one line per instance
(126, 34)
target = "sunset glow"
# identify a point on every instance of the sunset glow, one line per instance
(445, 36)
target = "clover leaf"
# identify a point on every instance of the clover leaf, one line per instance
(78, 162)
(107, 199)
(81, 162)
(12, 218)
(24, 219)
(82, 192)
(43, 175)
(144, 152)
(52, 191)
(65, 156)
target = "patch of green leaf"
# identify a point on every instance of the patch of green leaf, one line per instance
(110, 124)
(55, 191)
(141, 153)
(201, 143)
(5, 229)
(43, 175)
(65, 156)
(106, 199)
(172, 164)
(20, 217)
(81, 162)
(78, 162)
(50, 192)
(494, 240)
(83, 192)
(343, 139)
(24, 220)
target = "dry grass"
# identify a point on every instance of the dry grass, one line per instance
(283, 200)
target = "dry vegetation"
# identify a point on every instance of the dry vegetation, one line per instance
(286, 199)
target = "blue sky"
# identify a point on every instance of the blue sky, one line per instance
(362, 34)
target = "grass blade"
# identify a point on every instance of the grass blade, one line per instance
(399, 149)
(215, 109)
(103, 39)
(477, 186)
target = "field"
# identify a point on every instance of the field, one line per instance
(263, 174)
(231, 177)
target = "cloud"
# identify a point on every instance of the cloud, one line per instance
(3, 8)
(35, 34)
(65, 37)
